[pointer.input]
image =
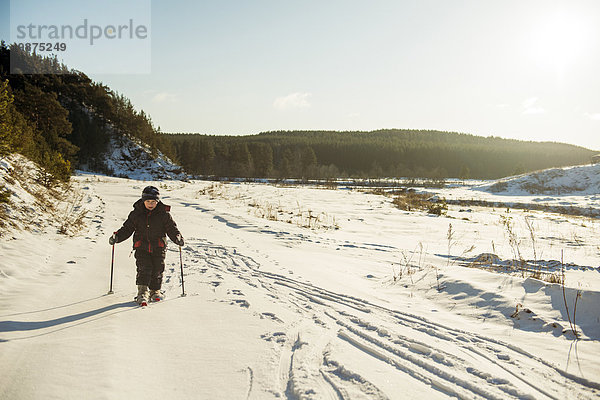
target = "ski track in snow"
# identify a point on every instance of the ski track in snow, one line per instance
(442, 357)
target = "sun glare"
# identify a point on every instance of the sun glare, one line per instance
(559, 40)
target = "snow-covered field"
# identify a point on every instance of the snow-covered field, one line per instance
(304, 293)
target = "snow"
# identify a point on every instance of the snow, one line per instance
(303, 293)
(576, 180)
(130, 158)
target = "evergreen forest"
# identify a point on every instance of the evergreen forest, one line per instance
(377, 154)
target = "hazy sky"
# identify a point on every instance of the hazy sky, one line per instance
(525, 69)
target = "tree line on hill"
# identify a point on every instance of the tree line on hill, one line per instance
(61, 119)
(375, 154)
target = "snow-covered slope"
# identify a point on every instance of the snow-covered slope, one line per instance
(570, 190)
(577, 180)
(128, 157)
(300, 293)
(32, 206)
(131, 159)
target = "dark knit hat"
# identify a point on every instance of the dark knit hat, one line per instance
(150, 193)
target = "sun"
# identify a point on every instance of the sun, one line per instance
(559, 39)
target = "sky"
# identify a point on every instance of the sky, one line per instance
(523, 69)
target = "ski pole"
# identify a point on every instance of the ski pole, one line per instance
(112, 264)
(181, 263)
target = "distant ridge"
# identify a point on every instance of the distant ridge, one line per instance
(372, 154)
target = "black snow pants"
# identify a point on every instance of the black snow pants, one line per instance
(150, 268)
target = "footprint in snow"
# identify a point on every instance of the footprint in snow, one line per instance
(278, 337)
(270, 316)
(241, 303)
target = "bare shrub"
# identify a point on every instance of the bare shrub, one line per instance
(214, 191)
(438, 208)
(513, 240)
(72, 216)
(301, 218)
(572, 324)
(406, 266)
(412, 201)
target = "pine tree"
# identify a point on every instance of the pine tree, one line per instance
(45, 112)
(262, 158)
(53, 168)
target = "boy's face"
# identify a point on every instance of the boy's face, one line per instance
(150, 204)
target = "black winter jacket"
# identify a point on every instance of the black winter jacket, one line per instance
(149, 228)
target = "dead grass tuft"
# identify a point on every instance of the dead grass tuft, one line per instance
(412, 201)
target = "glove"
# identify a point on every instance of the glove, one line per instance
(113, 239)
(179, 240)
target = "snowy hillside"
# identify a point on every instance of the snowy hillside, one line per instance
(578, 180)
(134, 160)
(32, 206)
(570, 190)
(303, 293)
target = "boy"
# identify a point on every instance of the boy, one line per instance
(149, 221)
